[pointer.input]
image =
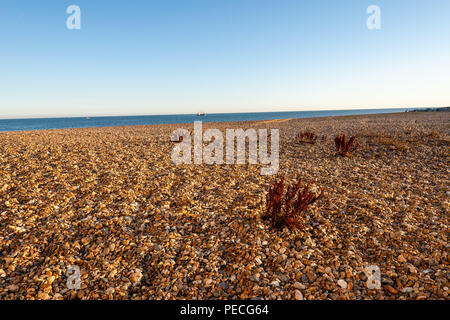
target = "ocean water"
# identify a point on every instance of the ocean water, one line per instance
(86, 122)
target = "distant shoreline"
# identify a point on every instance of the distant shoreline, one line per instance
(30, 124)
(443, 109)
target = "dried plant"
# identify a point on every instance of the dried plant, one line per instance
(307, 137)
(343, 147)
(285, 208)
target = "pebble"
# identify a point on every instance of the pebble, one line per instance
(298, 295)
(224, 286)
(275, 283)
(208, 282)
(43, 296)
(342, 283)
(305, 278)
(299, 286)
(390, 289)
(12, 287)
(110, 290)
(58, 296)
(386, 280)
(407, 290)
(136, 277)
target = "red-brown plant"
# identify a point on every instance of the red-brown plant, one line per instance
(343, 147)
(285, 208)
(307, 137)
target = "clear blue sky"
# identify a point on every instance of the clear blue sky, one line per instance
(182, 56)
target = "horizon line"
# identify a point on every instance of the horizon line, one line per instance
(56, 116)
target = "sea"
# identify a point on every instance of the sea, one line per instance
(112, 121)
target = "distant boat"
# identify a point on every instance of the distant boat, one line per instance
(201, 114)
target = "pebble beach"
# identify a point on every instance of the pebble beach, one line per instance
(111, 202)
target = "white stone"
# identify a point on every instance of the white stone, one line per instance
(407, 290)
(208, 282)
(299, 286)
(342, 283)
(275, 283)
(298, 295)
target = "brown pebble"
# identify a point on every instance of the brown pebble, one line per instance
(390, 289)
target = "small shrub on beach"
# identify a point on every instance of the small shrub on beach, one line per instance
(285, 208)
(307, 137)
(343, 147)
